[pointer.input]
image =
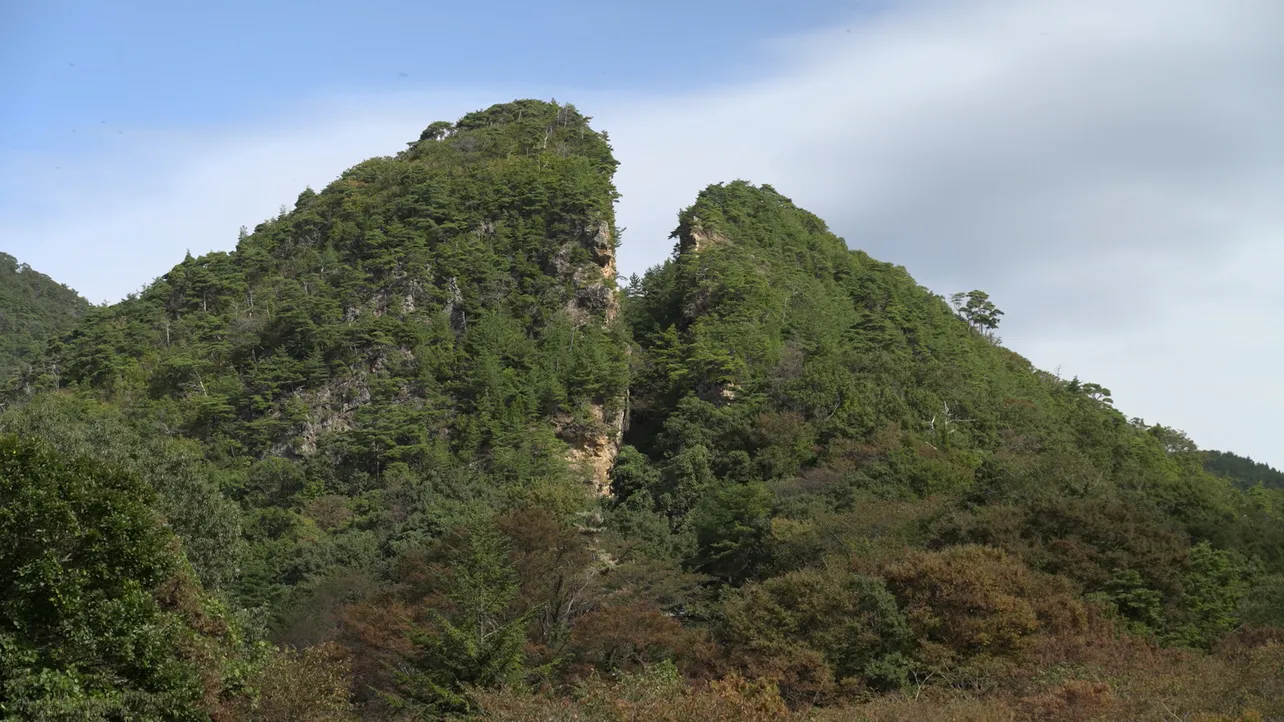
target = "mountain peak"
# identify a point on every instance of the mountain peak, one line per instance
(33, 309)
(435, 287)
(754, 216)
(519, 128)
(381, 421)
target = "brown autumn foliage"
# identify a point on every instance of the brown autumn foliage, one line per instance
(1114, 678)
(625, 638)
(1083, 539)
(968, 598)
(555, 570)
(813, 632)
(989, 639)
(292, 685)
(584, 611)
(654, 696)
(871, 532)
(377, 636)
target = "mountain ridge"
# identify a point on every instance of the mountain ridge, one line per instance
(401, 277)
(34, 308)
(413, 428)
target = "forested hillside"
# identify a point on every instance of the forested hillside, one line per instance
(408, 453)
(1243, 472)
(33, 309)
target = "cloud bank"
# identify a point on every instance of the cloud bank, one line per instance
(1107, 169)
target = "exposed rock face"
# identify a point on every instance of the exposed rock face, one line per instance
(694, 237)
(594, 450)
(331, 409)
(593, 444)
(595, 295)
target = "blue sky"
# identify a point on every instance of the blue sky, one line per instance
(1108, 170)
(75, 72)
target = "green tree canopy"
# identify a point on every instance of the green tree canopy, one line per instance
(84, 631)
(34, 310)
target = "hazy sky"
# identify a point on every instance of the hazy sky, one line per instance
(1109, 170)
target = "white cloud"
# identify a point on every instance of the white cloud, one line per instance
(1107, 169)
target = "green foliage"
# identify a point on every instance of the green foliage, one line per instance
(1212, 593)
(1135, 601)
(188, 490)
(429, 334)
(1243, 472)
(646, 530)
(731, 525)
(850, 620)
(769, 352)
(34, 310)
(478, 647)
(765, 340)
(977, 309)
(373, 423)
(83, 634)
(414, 300)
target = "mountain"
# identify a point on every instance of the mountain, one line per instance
(775, 358)
(413, 455)
(1242, 471)
(431, 337)
(452, 302)
(33, 309)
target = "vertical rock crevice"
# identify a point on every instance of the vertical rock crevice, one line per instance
(594, 446)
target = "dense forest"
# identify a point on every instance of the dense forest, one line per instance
(34, 308)
(1244, 472)
(409, 452)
